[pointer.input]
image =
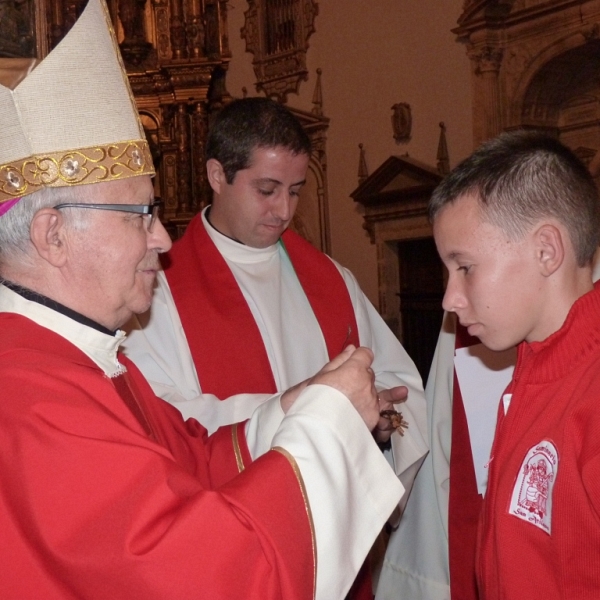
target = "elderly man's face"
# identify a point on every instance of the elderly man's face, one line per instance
(114, 258)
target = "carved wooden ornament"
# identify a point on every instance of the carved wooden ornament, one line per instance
(277, 32)
(401, 122)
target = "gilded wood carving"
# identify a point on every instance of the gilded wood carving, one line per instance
(277, 32)
(176, 53)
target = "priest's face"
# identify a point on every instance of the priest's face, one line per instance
(256, 208)
(114, 257)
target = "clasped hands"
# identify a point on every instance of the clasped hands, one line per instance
(350, 372)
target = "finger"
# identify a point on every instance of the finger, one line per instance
(340, 359)
(362, 355)
(384, 425)
(394, 395)
(382, 436)
(385, 405)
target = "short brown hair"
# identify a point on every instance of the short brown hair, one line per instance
(251, 123)
(522, 176)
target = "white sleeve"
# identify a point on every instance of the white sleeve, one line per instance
(156, 343)
(393, 367)
(351, 488)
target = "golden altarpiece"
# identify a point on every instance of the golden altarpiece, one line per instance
(176, 53)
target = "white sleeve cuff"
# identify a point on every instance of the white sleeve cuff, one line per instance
(350, 486)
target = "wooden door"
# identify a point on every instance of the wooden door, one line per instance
(421, 293)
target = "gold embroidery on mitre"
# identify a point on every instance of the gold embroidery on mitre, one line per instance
(75, 167)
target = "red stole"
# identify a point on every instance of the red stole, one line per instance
(465, 502)
(224, 340)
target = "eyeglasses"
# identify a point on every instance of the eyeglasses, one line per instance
(150, 210)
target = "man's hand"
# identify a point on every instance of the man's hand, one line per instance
(387, 399)
(347, 373)
(290, 395)
(350, 373)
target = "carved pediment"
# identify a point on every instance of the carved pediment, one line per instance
(523, 4)
(398, 178)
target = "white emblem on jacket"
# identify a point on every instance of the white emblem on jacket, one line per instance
(532, 495)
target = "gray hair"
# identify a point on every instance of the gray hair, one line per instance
(15, 240)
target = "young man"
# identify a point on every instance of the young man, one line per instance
(105, 492)
(517, 225)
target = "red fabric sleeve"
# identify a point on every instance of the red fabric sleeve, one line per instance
(90, 507)
(229, 453)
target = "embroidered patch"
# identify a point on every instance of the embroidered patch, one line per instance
(532, 495)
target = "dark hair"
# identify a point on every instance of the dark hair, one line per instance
(253, 123)
(520, 177)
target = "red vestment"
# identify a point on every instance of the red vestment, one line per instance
(93, 506)
(464, 503)
(224, 340)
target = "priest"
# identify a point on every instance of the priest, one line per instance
(246, 310)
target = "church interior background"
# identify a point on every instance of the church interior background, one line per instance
(393, 94)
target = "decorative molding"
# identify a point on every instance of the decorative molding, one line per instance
(394, 200)
(534, 65)
(277, 33)
(317, 99)
(489, 59)
(402, 122)
(313, 207)
(17, 29)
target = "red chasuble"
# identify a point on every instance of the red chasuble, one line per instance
(465, 502)
(100, 500)
(224, 340)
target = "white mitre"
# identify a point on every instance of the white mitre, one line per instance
(72, 120)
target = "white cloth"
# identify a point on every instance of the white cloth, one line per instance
(294, 343)
(333, 449)
(98, 346)
(421, 573)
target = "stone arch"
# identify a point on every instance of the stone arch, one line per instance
(558, 73)
(562, 95)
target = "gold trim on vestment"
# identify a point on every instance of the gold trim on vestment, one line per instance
(95, 164)
(236, 449)
(298, 474)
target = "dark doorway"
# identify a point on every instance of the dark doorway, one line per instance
(421, 293)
